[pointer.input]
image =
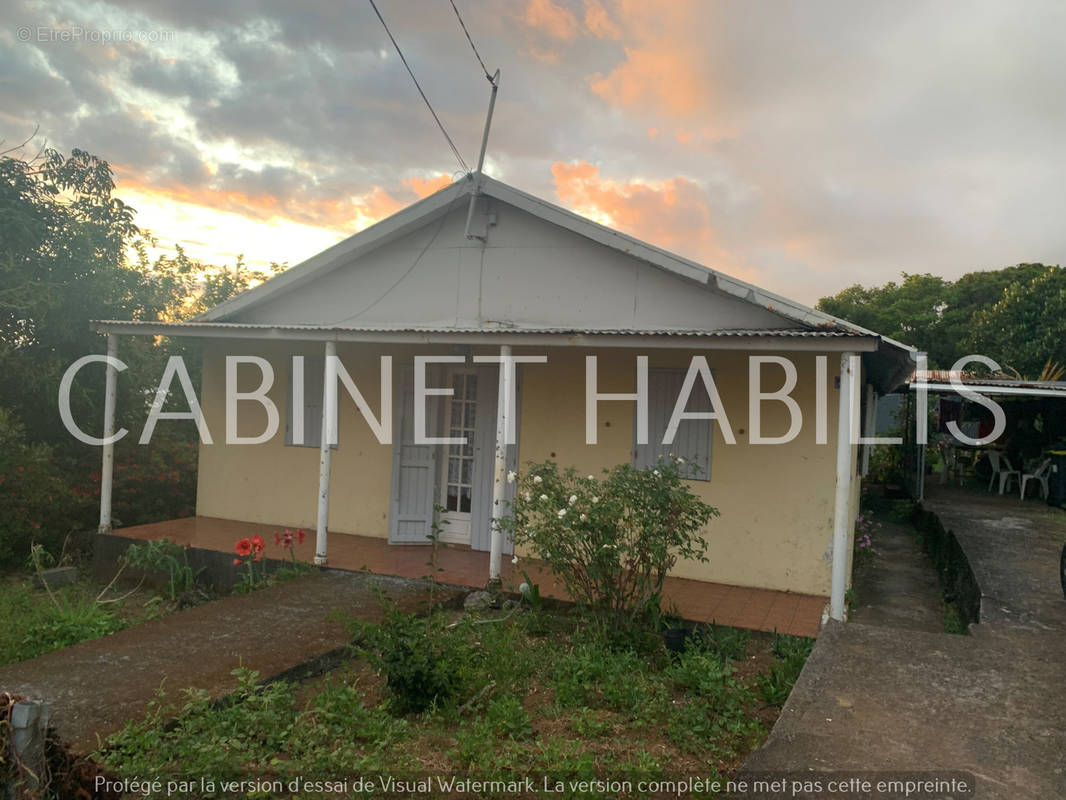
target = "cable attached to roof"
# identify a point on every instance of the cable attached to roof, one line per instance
(473, 47)
(451, 144)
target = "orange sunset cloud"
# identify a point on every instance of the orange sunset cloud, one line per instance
(672, 214)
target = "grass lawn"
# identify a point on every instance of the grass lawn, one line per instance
(539, 692)
(36, 623)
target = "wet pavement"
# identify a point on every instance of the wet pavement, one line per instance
(892, 693)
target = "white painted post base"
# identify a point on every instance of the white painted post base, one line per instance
(107, 465)
(499, 471)
(328, 435)
(842, 497)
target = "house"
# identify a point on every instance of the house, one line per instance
(480, 270)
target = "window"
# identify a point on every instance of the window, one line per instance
(692, 441)
(314, 377)
(462, 411)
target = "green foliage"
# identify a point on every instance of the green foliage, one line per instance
(35, 624)
(593, 676)
(425, 666)
(607, 703)
(70, 252)
(36, 504)
(727, 643)
(165, 556)
(953, 620)
(1026, 327)
(611, 540)
(71, 622)
(791, 654)
(221, 741)
(1013, 315)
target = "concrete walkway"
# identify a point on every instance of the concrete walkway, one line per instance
(898, 587)
(281, 631)
(888, 697)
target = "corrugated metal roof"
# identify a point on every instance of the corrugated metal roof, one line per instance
(945, 377)
(773, 332)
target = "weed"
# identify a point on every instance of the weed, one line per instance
(953, 621)
(791, 654)
(589, 724)
(165, 556)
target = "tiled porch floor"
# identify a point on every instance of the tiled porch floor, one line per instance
(755, 609)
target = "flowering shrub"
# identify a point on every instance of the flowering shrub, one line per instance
(865, 527)
(610, 540)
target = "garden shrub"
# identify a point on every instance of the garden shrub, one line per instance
(610, 540)
(425, 665)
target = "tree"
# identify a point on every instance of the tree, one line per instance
(70, 252)
(1026, 328)
(949, 319)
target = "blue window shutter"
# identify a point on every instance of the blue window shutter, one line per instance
(692, 442)
(314, 376)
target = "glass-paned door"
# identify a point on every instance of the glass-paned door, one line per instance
(457, 478)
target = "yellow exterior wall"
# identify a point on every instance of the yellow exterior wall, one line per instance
(776, 501)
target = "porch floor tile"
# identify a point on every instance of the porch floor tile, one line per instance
(698, 601)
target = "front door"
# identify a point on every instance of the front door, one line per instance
(461, 464)
(456, 478)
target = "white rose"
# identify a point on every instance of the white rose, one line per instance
(511, 476)
(595, 500)
(583, 517)
(538, 479)
(573, 499)
(528, 497)
(591, 478)
(561, 513)
(514, 560)
(680, 460)
(544, 497)
(655, 472)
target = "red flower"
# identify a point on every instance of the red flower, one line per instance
(244, 547)
(301, 535)
(277, 539)
(237, 562)
(258, 544)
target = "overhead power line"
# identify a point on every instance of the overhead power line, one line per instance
(451, 144)
(473, 47)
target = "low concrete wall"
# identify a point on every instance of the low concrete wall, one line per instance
(956, 576)
(215, 569)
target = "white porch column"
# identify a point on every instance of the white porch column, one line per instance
(327, 434)
(842, 498)
(107, 467)
(499, 472)
(871, 421)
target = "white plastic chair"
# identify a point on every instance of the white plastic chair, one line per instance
(1040, 475)
(1001, 468)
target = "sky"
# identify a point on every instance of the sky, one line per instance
(803, 147)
